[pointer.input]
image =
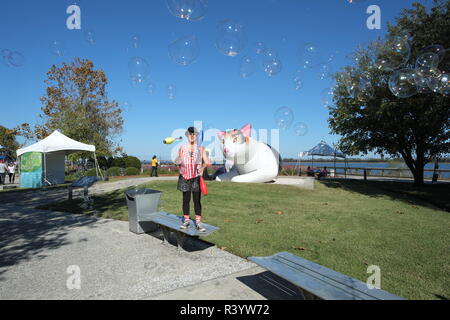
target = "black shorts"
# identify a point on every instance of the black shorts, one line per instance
(188, 185)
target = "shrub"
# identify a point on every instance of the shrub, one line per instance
(113, 171)
(132, 162)
(131, 171)
(90, 172)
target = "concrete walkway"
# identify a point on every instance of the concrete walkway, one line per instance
(41, 252)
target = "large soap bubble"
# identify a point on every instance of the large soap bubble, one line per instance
(139, 69)
(365, 90)
(269, 54)
(422, 76)
(246, 67)
(402, 83)
(427, 60)
(184, 50)
(436, 49)
(324, 71)
(230, 38)
(393, 54)
(284, 116)
(192, 10)
(309, 55)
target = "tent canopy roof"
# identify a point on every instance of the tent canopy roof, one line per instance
(323, 149)
(57, 142)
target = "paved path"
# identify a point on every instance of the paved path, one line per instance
(37, 247)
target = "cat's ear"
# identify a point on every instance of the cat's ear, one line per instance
(247, 130)
(221, 135)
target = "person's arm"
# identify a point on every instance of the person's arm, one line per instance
(178, 158)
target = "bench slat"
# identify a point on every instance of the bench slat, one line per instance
(319, 280)
(174, 222)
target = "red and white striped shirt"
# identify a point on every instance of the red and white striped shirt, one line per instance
(190, 161)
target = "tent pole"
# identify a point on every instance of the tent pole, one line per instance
(45, 169)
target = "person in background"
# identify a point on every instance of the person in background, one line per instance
(3, 171)
(309, 172)
(11, 171)
(323, 173)
(154, 166)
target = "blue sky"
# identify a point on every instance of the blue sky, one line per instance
(210, 89)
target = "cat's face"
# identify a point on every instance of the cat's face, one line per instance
(235, 143)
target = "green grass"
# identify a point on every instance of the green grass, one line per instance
(343, 225)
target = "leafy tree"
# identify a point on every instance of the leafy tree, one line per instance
(8, 140)
(76, 103)
(373, 119)
(134, 162)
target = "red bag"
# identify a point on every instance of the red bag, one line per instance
(203, 186)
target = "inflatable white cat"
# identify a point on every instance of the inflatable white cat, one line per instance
(247, 160)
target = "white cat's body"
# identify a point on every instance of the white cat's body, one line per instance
(249, 161)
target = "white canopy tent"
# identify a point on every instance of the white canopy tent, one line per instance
(54, 149)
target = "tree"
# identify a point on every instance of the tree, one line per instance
(8, 140)
(372, 118)
(76, 103)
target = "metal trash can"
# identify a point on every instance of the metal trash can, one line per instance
(139, 202)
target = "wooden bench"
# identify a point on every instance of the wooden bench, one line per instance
(171, 223)
(318, 282)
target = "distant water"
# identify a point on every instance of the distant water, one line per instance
(399, 165)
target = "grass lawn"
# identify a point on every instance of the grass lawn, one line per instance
(343, 225)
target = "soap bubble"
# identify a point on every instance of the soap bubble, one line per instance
(260, 47)
(246, 67)
(300, 129)
(135, 41)
(428, 60)
(16, 59)
(272, 67)
(326, 97)
(440, 83)
(184, 50)
(5, 55)
(171, 91)
(402, 83)
(126, 106)
(298, 80)
(365, 90)
(422, 76)
(393, 54)
(151, 88)
(230, 38)
(436, 49)
(324, 71)
(192, 10)
(139, 69)
(284, 117)
(57, 47)
(351, 83)
(269, 54)
(309, 55)
(89, 36)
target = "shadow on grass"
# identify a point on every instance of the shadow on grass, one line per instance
(427, 195)
(25, 234)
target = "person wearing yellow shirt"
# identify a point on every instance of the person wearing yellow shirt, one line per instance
(154, 166)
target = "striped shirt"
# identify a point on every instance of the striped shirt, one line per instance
(190, 161)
